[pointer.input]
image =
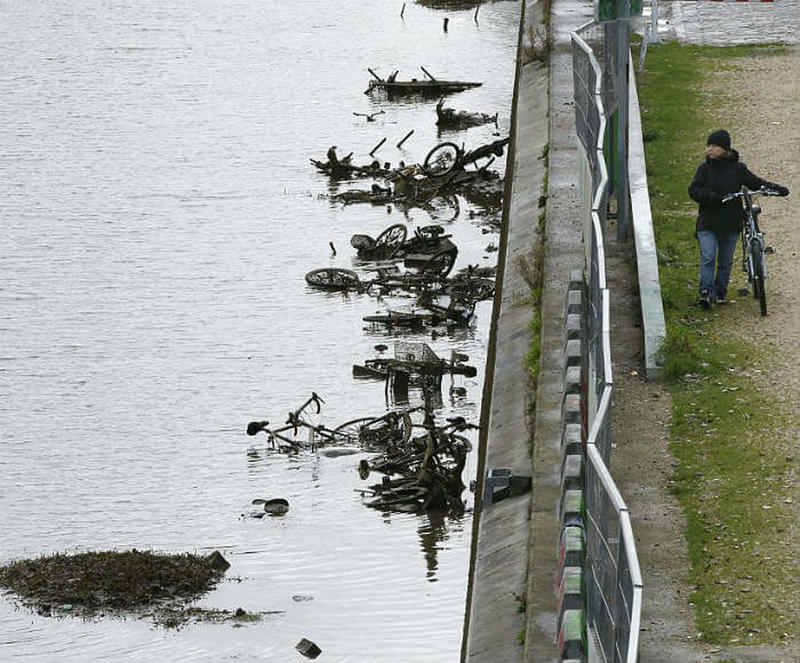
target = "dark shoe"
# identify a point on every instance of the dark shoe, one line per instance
(722, 301)
(704, 301)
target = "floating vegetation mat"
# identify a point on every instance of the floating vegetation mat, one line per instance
(92, 583)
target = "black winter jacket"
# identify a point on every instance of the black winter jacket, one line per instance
(715, 179)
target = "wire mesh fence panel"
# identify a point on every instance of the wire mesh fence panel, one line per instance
(582, 75)
(602, 438)
(601, 39)
(609, 60)
(624, 605)
(613, 581)
(603, 507)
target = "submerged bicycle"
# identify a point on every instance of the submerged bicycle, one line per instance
(448, 158)
(365, 432)
(754, 249)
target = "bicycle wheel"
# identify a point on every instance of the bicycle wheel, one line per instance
(392, 428)
(444, 208)
(472, 288)
(392, 238)
(440, 263)
(350, 431)
(441, 160)
(759, 285)
(333, 278)
(407, 426)
(750, 265)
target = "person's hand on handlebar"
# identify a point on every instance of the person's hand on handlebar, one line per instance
(777, 190)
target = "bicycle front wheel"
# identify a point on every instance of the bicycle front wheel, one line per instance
(441, 160)
(759, 285)
(392, 239)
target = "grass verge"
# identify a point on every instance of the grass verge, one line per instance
(736, 467)
(531, 268)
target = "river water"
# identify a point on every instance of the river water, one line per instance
(158, 214)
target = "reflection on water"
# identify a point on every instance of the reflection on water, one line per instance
(433, 532)
(159, 215)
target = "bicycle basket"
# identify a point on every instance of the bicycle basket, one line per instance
(417, 352)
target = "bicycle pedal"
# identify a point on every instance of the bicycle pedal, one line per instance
(769, 250)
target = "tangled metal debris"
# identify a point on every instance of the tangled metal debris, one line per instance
(421, 462)
(427, 86)
(412, 361)
(444, 172)
(422, 472)
(449, 118)
(393, 242)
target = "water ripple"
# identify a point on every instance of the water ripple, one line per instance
(159, 213)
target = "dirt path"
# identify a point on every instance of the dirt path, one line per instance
(767, 125)
(642, 466)
(762, 106)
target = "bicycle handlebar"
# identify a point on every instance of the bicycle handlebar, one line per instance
(763, 191)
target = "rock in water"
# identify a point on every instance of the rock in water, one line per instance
(307, 648)
(217, 561)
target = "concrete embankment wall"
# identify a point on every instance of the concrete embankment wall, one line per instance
(515, 542)
(501, 532)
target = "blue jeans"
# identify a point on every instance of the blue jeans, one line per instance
(716, 247)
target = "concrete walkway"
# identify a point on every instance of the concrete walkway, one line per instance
(497, 586)
(519, 536)
(564, 252)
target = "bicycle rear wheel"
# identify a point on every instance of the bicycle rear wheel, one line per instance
(759, 285)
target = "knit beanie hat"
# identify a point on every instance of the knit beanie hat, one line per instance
(720, 137)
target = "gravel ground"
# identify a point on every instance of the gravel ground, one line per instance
(764, 110)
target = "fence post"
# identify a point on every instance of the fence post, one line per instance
(622, 45)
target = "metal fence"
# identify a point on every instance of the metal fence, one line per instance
(614, 583)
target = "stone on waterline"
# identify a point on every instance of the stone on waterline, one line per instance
(307, 648)
(217, 561)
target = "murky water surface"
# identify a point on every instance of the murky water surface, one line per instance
(158, 214)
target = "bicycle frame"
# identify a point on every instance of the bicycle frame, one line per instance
(754, 250)
(752, 235)
(380, 428)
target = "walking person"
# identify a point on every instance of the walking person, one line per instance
(718, 223)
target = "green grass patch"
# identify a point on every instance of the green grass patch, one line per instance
(531, 267)
(534, 277)
(533, 358)
(735, 469)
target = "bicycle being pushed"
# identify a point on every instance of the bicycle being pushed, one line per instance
(754, 248)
